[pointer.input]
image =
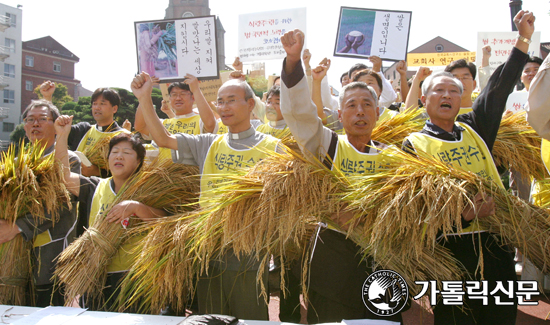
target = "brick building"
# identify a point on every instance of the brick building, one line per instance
(45, 59)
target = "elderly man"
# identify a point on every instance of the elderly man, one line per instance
(470, 142)
(336, 268)
(48, 240)
(230, 287)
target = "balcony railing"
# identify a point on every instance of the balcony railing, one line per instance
(4, 53)
(5, 23)
(3, 82)
(4, 112)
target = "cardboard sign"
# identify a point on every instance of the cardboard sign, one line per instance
(366, 32)
(169, 49)
(260, 33)
(516, 101)
(501, 44)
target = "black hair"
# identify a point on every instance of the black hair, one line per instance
(462, 64)
(534, 59)
(135, 141)
(109, 94)
(355, 67)
(371, 73)
(180, 85)
(274, 91)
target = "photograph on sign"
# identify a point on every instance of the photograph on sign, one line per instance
(365, 32)
(260, 33)
(169, 49)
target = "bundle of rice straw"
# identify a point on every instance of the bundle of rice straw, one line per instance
(162, 184)
(267, 211)
(518, 146)
(97, 153)
(392, 131)
(402, 211)
(30, 184)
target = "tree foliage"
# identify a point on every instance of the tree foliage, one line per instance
(60, 95)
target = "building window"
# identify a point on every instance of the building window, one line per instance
(8, 127)
(28, 85)
(9, 96)
(13, 19)
(10, 43)
(439, 48)
(9, 70)
(56, 66)
(187, 14)
(29, 60)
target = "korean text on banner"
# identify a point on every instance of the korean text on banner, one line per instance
(169, 49)
(260, 33)
(501, 44)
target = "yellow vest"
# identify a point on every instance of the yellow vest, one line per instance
(540, 192)
(351, 162)
(103, 198)
(464, 110)
(221, 160)
(386, 115)
(222, 128)
(94, 135)
(188, 125)
(470, 153)
(277, 133)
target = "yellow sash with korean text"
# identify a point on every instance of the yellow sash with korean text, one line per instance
(103, 198)
(222, 128)
(470, 153)
(222, 159)
(540, 191)
(277, 133)
(352, 162)
(188, 125)
(94, 135)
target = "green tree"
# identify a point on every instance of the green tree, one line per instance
(60, 95)
(18, 134)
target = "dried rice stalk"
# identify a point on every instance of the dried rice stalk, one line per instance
(392, 131)
(162, 184)
(98, 152)
(30, 184)
(518, 146)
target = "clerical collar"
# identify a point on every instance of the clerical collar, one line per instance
(107, 128)
(277, 123)
(241, 135)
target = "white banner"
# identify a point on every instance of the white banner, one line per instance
(260, 33)
(366, 32)
(169, 49)
(501, 44)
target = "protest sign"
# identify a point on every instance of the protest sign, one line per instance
(501, 44)
(260, 33)
(366, 32)
(516, 101)
(169, 49)
(438, 59)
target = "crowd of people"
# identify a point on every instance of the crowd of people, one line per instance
(243, 129)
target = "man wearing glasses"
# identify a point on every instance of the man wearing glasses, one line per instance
(48, 240)
(465, 72)
(182, 97)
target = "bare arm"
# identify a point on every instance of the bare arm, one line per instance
(128, 208)
(142, 87)
(205, 112)
(402, 70)
(62, 129)
(414, 91)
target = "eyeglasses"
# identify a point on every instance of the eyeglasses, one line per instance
(181, 95)
(464, 78)
(40, 120)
